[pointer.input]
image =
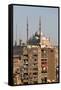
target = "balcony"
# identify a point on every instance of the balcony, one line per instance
(35, 73)
(44, 54)
(44, 70)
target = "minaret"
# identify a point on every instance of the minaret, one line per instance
(40, 27)
(16, 36)
(49, 38)
(20, 41)
(27, 30)
(39, 54)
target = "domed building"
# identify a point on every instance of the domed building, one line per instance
(35, 40)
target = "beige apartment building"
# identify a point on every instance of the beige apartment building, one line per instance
(37, 65)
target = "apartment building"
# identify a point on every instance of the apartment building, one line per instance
(34, 64)
(17, 65)
(30, 64)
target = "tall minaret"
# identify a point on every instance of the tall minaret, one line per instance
(39, 54)
(40, 27)
(20, 41)
(27, 30)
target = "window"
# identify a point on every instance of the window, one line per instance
(35, 73)
(17, 71)
(35, 59)
(25, 65)
(44, 80)
(44, 53)
(26, 69)
(25, 74)
(26, 78)
(20, 58)
(25, 61)
(26, 83)
(35, 54)
(43, 59)
(35, 68)
(35, 82)
(44, 70)
(51, 50)
(26, 55)
(44, 63)
(42, 50)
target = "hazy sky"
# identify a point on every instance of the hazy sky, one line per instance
(49, 22)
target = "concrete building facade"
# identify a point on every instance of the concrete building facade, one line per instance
(36, 65)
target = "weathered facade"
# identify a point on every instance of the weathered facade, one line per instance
(36, 65)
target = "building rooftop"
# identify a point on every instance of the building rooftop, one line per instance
(17, 50)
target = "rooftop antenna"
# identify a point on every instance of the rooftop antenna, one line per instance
(16, 36)
(40, 27)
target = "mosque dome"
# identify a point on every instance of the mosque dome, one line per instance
(36, 39)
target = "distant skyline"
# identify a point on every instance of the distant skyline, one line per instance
(49, 22)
